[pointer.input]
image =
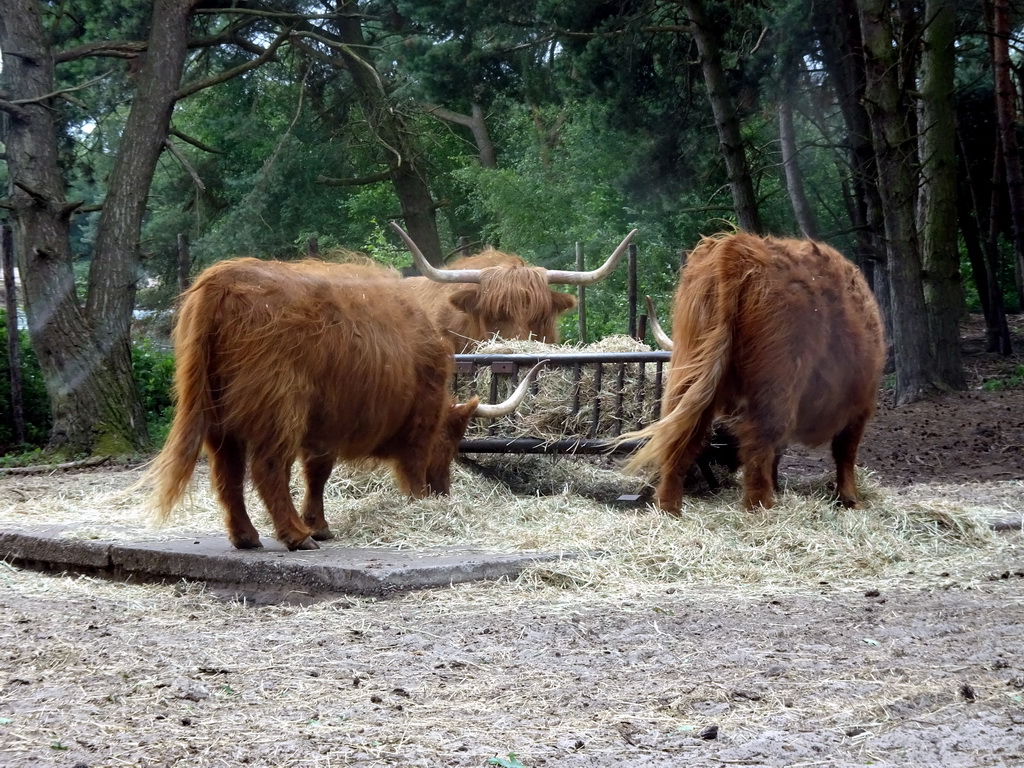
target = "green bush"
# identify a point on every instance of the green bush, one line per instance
(35, 401)
(1013, 380)
(154, 377)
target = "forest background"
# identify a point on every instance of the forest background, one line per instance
(134, 132)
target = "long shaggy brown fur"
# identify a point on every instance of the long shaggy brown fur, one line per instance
(781, 337)
(324, 362)
(513, 300)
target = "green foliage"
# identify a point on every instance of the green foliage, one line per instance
(1013, 380)
(35, 400)
(154, 377)
(512, 761)
(547, 199)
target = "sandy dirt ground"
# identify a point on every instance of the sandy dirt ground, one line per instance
(920, 669)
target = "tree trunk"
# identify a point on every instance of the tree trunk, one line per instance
(995, 289)
(394, 136)
(842, 50)
(726, 120)
(13, 345)
(942, 289)
(1006, 114)
(70, 361)
(787, 141)
(477, 124)
(971, 214)
(85, 353)
(967, 221)
(896, 158)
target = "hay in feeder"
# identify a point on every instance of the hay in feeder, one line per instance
(567, 401)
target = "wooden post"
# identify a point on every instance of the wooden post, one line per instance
(641, 328)
(313, 247)
(581, 295)
(184, 263)
(631, 295)
(13, 348)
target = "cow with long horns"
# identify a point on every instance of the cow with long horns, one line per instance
(781, 337)
(499, 294)
(314, 361)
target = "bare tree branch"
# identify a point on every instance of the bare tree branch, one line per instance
(124, 49)
(177, 155)
(230, 73)
(195, 142)
(61, 92)
(36, 195)
(446, 114)
(263, 14)
(13, 110)
(313, 53)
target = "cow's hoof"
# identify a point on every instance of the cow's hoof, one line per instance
(245, 542)
(323, 534)
(306, 543)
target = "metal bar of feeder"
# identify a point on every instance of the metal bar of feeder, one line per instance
(539, 445)
(659, 371)
(631, 297)
(641, 393)
(577, 377)
(620, 388)
(569, 358)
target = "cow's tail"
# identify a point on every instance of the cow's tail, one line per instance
(705, 315)
(171, 471)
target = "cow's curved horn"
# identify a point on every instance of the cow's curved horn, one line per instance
(663, 339)
(429, 270)
(570, 277)
(497, 410)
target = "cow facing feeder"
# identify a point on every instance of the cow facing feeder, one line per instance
(781, 337)
(313, 361)
(499, 294)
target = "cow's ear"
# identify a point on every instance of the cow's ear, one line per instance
(465, 300)
(562, 302)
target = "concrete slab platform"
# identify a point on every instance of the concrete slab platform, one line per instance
(268, 575)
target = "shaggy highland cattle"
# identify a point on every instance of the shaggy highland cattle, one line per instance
(313, 361)
(495, 293)
(783, 339)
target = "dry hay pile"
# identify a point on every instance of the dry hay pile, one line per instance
(554, 507)
(548, 411)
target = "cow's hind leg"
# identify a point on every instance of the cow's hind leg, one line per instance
(759, 476)
(270, 475)
(759, 456)
(669, 495)
(227, 475)
(844, 452)
(317, 469)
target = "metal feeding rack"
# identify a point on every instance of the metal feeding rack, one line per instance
(599, 396)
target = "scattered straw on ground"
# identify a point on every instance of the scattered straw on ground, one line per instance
(791, 631)
(615, 547)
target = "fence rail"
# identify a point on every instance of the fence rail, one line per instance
(616, 391)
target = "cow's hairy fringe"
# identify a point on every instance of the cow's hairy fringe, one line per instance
(705, 306)
(252, 334)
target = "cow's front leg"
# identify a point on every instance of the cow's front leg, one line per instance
(270, 475)
(317, 470)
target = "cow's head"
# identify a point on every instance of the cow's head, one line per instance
(457, 421)
(511, 299)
